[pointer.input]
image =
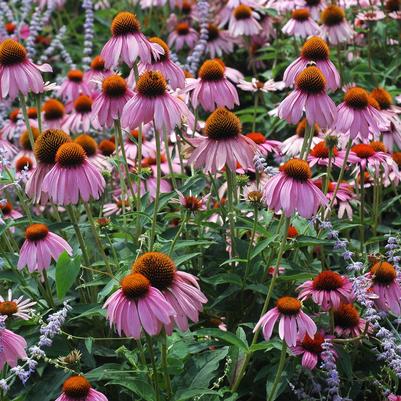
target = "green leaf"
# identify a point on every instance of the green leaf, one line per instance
(225, 336)
(67, 270)
(189, 394)
(138, 387)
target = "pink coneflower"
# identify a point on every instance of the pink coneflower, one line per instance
(136, 305)
(347, 321)
(77, 388)
(24, 166)
(356, 116)
(7, 149)
(310, 348)
(109, 103)
(335, 28)
(73, 177)
(320, 155)
(301, 24)
(293, 190)
(309, 96)
(315, 50)
(25, 143)
(393, 397)
(180, 289)
(19, 307)
(328, 289)
(79, 120)
(97, 72)
(171, 71)
(128, 42)
(292, 146)
(117, 207)
(223, 144)
(107, 147)
(294, 323)
(12, 346)
(344, 195)
(259, 86)
(265, 146)
(73, 86)
(371, 16)
(182, 35)
(315, 7)
(40, 247)
(45, 150)
(94, 156)
(152, 101)
(219, 42)
(367, 156)
(164, 165)
(212, 89)
(17, 73)
(53, 113)
(386, 285)
(11, 128)
(392, 130)
(193, 203)
(243, 21)
(8, 212)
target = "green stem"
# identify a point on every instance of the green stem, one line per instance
(26, 119)
(39, 110)
(97, 238)
(255, 106)
(308, 137)
(280, 368)
(231, 216)
(340, 63)
(153, 361)
(267, 300)
(169, 161)
(340, 178)
(167, 380)
(362, 209)
(157, 196)
(179, 232)
(250, 246)
(48, 289)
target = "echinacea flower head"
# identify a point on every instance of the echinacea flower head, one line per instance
(24, 163)
(45, 150)
(244, 21)
(320, 155)
(12, 346)
(78, 388)
(301, 24)
(315, 50)
(80, 118)
(128, 43)
(293, 190)
(40, 247)
(356, 116)
(90, 147)
(18, 307)
(369, 155)
(53, 113)
(310, 348)
(73, 86)
(138, 305)
(152, 101)
(73, 177)
(107, 147)
(17, 73)
(212, 89)
(293, 322)
(171, 71)
(223, 145)
(335, 28)
(181, 290)
(7, 211)
(386, 286)
(24, 141)
(182, 35)
(347, 321)
(192, 203)
(264, 144)
(109, 103)
(310, 97)
(219, 42)
(328, 289)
